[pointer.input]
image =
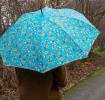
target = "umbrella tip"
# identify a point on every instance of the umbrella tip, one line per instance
(41, 10)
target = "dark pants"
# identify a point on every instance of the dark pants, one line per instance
(35, 86)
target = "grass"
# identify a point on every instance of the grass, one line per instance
(71, 90)
(98, 72)
(98, 53)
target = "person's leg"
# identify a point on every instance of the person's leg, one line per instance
(33, 85)
(55, 94)
(22, 84)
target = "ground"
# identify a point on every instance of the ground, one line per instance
(92, 88)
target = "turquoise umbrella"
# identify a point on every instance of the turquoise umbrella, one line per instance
(44, 40)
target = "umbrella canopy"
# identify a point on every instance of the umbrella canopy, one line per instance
(42, 41)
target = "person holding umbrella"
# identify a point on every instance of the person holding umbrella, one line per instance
(36, 86)
(44, 41)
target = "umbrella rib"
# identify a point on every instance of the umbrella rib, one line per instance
(65, 32)
(82, 17)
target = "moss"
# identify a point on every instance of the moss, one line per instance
(99, 52)
(71, 90)
(98, 72)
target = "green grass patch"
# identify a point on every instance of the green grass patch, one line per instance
(71, 90)
(97, 53)
(98, 72)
